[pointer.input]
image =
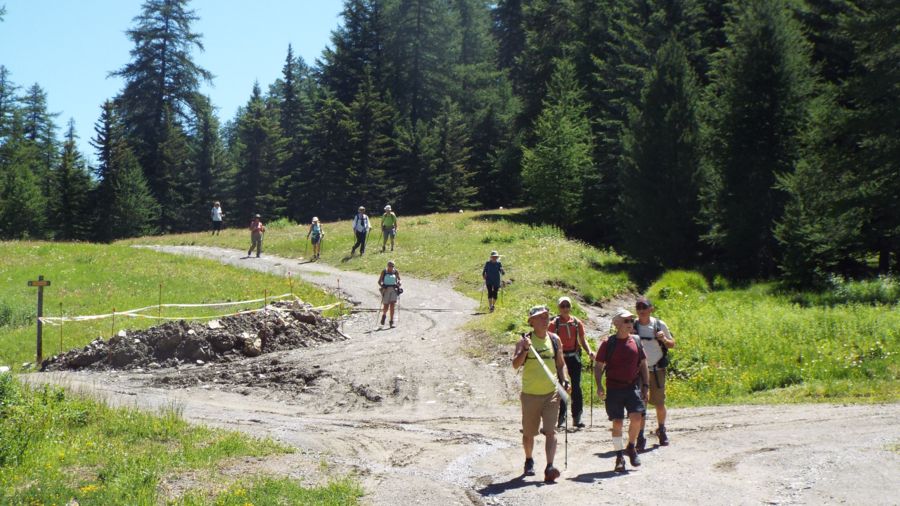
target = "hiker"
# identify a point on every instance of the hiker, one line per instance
(361, 229)
(217, 214)
(657, 340)
(257, 229)
(571, 333)
(388, 227)
(491, 275)
(622, 357)
(389, 283)
(317, 233)
(539, 397)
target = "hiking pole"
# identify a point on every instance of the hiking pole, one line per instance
(566, 428)
(559, 389)
(306, 248)
(481, 299)
(592, 395)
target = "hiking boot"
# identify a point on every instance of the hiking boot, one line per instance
(632, 455)
(579, 423)
(392, 323)
(550, 474)
(641, 443)
(663, 438)
(383, 318)
(529, 467)
(620, 463)
(492, 308)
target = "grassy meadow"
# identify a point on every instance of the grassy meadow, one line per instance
(91, 279)
(56, 447)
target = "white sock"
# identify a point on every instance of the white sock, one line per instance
(618, 443)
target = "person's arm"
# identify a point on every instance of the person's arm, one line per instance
(309, 231)
(562, 373)
(521, 352)
(599, 368)
(484, 272)
(397, 273)
(584, 342)
(664, 336)
(381, 279)
(396, 223)
(645, 378)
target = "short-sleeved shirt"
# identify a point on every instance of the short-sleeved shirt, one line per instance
(389, 220)
(534, 379)
(648, 339)
(623, 366)
(216, 213)
(492, 272)
(568, 331)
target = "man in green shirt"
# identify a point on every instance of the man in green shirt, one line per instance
(540, 401)
(388, 227)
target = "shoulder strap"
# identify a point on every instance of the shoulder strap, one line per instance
(554, 340)
(610, 343)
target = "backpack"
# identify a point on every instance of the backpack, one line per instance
(611, 344)
(554, 342)
(572, 326)
(664, 361)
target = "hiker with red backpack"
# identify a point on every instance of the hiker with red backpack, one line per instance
(657, 340)
(622, 358)
(571, 334)
(537, 353)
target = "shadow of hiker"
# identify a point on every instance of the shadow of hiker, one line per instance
(512, 484)
(598, 476)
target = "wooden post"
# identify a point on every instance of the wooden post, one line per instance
(291, 279)
(265, 298)
(40, 284)
(159, 306)
(112, 326)
(60, 328)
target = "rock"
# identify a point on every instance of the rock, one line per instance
(191, 332)
(214, 324)
(3, 369)
(26, 365)
(252, 347)
(221, 341)
(200, 362)
(168, 342)
(125, 354)
(121, 333)
(91, 355)
(153, 365)
(194, 347)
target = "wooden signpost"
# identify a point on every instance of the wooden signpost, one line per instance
(40, 284)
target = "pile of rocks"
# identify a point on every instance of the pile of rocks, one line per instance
(286, 326)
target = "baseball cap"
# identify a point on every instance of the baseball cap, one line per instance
(564, 299)
(537, 310)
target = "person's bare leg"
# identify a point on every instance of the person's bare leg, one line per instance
(528, 445)
(634, 426)
(550, 446)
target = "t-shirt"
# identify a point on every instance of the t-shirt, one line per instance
(390, 278)
(316, 230)
(216, 213)
(492, 272)
(568, 332)
(361, 223)
(256, 227)
(388, 220)
(624, 365)
(534, 379)
(648, 339)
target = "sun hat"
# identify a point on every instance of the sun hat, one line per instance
(387, 207)
(257, 216)
(361, 208)
(315, 219)
(390, 262)
(537, 310)
(621, 314)
(564, 299)
(495, 254)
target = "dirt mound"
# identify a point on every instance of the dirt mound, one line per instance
(286, 326)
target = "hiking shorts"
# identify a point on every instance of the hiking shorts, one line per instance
(493, 290)
(389, 295)
(388, 231)
(217, 224)
(315, 239)
(537, 409)
(658, 390)
(620, 400)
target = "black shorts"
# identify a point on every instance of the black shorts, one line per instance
(217, 225)
(492, 290)
(620, 400)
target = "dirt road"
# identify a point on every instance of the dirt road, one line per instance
(419, 422)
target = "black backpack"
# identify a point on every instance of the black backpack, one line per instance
(554, 341)
(664, 361)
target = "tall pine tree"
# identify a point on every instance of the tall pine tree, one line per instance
(70, 207)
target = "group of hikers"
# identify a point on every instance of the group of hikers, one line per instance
(634, 360)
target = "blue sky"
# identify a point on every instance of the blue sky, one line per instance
(69, 47)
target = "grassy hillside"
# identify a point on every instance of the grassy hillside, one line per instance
(93, 279)
(56, 447)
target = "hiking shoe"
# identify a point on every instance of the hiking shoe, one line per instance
(579, 423)
(632, 455)
(529, 467)
(392, 323)
(663, 438)
(383, 317)
(641, 443)
(620, 463)
(550, 474)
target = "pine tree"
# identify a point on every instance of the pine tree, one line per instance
(553, 169)
(70, 207)
(449, 186)
(295, 116)
(40, 130)
(358, 48)
(7, 102)
(374, 146)
(210, 163)
(758, 104)
(124, 205)
(509, 31)
(659, 201)
(22, 203)
(178, 180)
(161, 91)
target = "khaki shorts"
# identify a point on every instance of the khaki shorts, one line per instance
(658, 392)
(388, 295)
(537, 408)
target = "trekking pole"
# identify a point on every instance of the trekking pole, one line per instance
(592, 395)
(566, 428)
(559, 389)
(306, 248)
(481, 299)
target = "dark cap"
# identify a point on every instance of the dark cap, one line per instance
(643, 301)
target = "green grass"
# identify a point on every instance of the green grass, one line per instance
(55, 446)
(755, 344)
(540, 262)
(94, 279)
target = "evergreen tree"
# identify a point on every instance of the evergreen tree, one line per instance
(334, 181)
(7, 102)
(509, 31)
(358, 48)
(260, 156)
(177, 178)
(659, 202)
(161, 91)
(449, 186)
(124, 205)
(22, 203)
(552, 171)
(374, 146)
(295, 116)
(69, 207)
(210, 163)
(759, 103)
(40, 130)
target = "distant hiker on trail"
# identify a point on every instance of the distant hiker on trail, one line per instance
(657, 340)
(539, 397)
(491, 275)
(216, 214)
(571, 333)
(389, 283)
(257, 229)
(621, 356)
(388, 227)
(316, 233)
(361, 228)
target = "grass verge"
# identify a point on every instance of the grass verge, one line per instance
(55, 447)
(95, 279)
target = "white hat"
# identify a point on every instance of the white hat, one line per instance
(361, 208)
(621, 314)
(563, 299)
(537, 310)
(495, 254)
(387, 207)
(315, 219)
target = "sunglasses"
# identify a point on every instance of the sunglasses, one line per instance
(642, 306)
(629, 320)
(565, 305)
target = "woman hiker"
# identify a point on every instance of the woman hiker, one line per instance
(389, 283)
(317, 233)
(491, 275)
(257, 229)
